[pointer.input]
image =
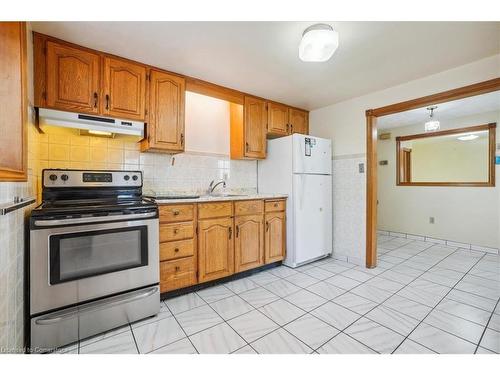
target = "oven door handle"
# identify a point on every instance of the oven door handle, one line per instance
(96, 219)
(96, 306)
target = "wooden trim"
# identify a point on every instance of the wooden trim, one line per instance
(14, 174)
(192, 84)
(491, 127)
(466, 129)
(211, 89)
(445, 96)
(371, 115)
(371, 191)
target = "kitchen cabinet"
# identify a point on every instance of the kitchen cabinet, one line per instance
(248, 129)
(124, 89)
(277, 120)
(73, 78)
(215, 248)
(248, 242)
(275, 237)
(165, 128)
(299, 121)
(13, 96)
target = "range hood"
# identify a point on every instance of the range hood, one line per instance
(94, 124)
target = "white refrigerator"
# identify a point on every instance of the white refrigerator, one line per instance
(301, 167)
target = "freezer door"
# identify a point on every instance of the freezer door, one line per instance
(312, 210)
(312, 155)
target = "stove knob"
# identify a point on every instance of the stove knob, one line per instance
(126, 177)
(53, 177)
(64, 177)
(134, 177)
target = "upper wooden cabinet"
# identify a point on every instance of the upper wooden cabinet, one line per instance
(124, 89)
(165, 129)
(14, 101)
(277, 120)
(248, 129)
(72, 78)
(299, 121)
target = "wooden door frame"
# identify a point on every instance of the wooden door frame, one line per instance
(371, 148)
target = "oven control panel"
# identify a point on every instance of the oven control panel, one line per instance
(81, 178)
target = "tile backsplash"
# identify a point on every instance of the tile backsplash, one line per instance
(186, 172)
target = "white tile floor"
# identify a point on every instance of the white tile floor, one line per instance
(422, 298)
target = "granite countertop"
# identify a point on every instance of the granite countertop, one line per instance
(215, 198)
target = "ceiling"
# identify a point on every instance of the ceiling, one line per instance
(445, 111)
(261, 58)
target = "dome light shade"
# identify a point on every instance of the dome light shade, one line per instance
(318, 44)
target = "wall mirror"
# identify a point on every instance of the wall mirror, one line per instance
(455, 157)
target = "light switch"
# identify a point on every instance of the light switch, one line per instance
(361, 167)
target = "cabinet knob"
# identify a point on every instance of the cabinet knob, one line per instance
(276, 205)
(176, 213)
(176, 230)
(177, 268)
(176, 250)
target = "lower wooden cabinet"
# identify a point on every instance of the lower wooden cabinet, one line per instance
(215, 249)
(248, 242)
(275, 238)
(176, 274)
(211, 240)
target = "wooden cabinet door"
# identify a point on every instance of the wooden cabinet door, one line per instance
(248, 242)
(299, 121)
(275, 242)
(72, 78)
(166, 112)
(255, 119)
(14, 101)
(124, 89)
(215, 249)
(277, 119)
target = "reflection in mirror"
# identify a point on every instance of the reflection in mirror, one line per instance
(460, 156)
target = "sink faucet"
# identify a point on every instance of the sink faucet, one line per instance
(212, 187)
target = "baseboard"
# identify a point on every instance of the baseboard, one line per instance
(441, 241)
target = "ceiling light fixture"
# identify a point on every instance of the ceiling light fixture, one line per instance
(431, 125)
(318, 44)
(468, 137)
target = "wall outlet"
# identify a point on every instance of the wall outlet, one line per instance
(383, 162)
(431, 220)
(361, 167)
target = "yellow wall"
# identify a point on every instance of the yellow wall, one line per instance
(65, 148)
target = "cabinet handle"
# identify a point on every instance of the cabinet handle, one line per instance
(107, 101)
(182, 139)
(230, 233)
(237, 230)
(247, 146)
(175, 213)
(291, 128)
(267, 226)
(276, 205)
(95, 99)
(177, 268)
(176, 250)
(287, 128)
(176, 230)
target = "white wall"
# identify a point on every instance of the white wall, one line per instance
(206, 124)
(462, 214)
(345, 124)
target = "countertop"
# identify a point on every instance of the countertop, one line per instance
(212, 198)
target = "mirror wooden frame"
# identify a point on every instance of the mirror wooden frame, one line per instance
(371, 148)
(491, 128)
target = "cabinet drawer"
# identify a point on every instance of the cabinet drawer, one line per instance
(176, 249)
(176, 231)
(275, 206)
(176, 274)
(176, 212)
(248, 207)
(215, 209)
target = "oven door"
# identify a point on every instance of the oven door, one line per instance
(71, 263)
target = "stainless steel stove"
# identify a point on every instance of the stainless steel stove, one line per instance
(94, 256)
